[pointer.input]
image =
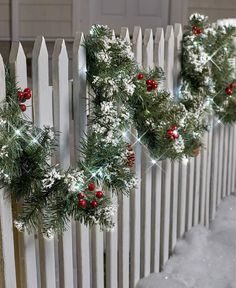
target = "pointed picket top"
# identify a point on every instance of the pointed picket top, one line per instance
(159, 46)
(178, 35)
(148, 49)
(169, 57)
(80, 97)
(17, 63)
(137, 44)
(124, 34)
(2, 79)
(61, 100)
(42, 92)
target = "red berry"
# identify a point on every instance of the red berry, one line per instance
(140, 76)
(154, 84)
(99, 194)
(194, 28)
(94, 204)
(20, 95)
(232, 85)
(91, 186)
(174, 127)
(27, 95)
(81, 195)
(22, 107)
(229, 91)
(149, 82)
(82, 203)
(170, 132)
(175, 134)
(149, 88)
(27, 90)
(198, 31)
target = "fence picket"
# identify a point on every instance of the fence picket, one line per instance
(157, 172)
(190, 193)
(7, 241)
(234, 162)
(146, 174)
(225, 161)
(135, 197)
(123, 219)
(197, 167)
(229, 174)
(166, 165)
(80, 101)
(208, 177)
(220, 165)
(175, 164)
(43, 115)
(214, 171)
(203, 180)
(61, 123)
(17, 62)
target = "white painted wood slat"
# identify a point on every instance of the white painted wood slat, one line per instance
(225, 161)
(6, 216)
(43, 115)
(203, 180)
(214, 169)
(17, 61)
(197, 166)
(190, 193)
(208, 179)
(146, 174)
(135, 197)
(220, 165)
(61, 124)
(157, 172)
(80, 98)
(124, 219)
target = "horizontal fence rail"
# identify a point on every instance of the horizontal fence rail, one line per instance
(170, 198)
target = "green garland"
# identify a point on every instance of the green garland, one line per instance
(163, 125)
(207, 71)
(121, 95)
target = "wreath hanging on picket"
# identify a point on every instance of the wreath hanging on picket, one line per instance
(208, 67)
(121, 95)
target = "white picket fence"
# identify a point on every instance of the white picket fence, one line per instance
(170, 199)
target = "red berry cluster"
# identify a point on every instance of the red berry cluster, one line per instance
(82, 202)
(172, 133)
(23, 96)
(130, 156)
(151, 84)
(197, 31)
(229, 90)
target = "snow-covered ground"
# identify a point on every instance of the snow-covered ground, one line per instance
(204, 258)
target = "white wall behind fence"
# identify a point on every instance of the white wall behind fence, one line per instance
(170, 197)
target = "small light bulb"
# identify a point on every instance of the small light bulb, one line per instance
(154, 161)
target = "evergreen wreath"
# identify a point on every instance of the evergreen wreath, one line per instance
(121, 95)
(208, 70)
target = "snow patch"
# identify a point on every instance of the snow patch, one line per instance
(203, 258)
